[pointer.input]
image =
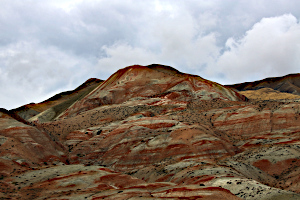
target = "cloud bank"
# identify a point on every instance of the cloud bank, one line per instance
(51, 46)
(270, 48)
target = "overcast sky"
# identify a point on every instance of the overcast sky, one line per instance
(51, 46)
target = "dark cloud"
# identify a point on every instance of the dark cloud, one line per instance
(50, 46)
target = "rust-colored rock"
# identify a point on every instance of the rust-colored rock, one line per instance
(24, 147)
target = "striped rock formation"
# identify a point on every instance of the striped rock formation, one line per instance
(149, 81)
(152, 132)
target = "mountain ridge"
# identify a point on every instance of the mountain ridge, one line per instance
(289, 83)
(67, 97)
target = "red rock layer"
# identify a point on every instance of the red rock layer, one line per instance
(23, 147)
(81, 182)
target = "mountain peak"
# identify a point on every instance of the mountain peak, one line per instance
(166, 69)
(138, 81)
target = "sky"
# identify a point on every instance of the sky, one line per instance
(51, 46)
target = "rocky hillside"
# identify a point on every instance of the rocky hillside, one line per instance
(288, 84)
(268, 94)
(57, 103)
(152, 132)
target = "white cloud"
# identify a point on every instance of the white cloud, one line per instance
(30, 72)
(66, 5)
(170, 39)
(270, 48)
(120, 55)
(185, 54)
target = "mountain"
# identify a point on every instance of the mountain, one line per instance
(58, 103)
(152, 132)
(289, 84)
(150, 81)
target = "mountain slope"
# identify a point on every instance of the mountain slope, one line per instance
(23, 147)
(149, 81)
(268, 94)
(289, 84)
(52, 107)
(152, 132)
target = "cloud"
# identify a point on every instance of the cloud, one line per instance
(269, 48)
(172, 37)
(50, 46)
(123, 54)
(30, 72)
(185, 54)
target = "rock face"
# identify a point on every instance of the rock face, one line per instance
(152, 132)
